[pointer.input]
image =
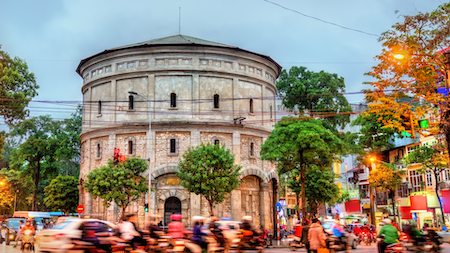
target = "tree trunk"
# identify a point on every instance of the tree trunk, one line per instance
(440, 201)
(123, 212)
(211, 208)
(36, 184)
(298, 203)
(393, 204)
(302, 178)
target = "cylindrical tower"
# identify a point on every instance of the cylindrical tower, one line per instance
(200, 91)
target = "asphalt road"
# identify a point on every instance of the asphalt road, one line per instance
(360, 249)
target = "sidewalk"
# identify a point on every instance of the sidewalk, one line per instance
(279, 244)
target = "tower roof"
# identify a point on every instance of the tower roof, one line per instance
(178, 39)
(174, 40)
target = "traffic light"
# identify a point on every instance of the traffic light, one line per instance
(408, 124)
(146, 208)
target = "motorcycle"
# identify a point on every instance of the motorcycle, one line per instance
(338, 244)
(374, 237)
(27, 241)
(294, 242)
(251, 241)
(367, 238)
(393, 248)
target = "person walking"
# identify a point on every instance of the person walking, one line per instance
(304, 235)
(316, 236)
(19, 234)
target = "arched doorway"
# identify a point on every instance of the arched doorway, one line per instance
(171, 206)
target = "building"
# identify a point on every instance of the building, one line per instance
(199, 91)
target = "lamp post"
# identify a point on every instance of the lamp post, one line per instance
(149, 141)
(15, 198)
(372, 202)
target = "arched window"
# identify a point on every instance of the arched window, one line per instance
(251, 105)
(270, 110)
(99, 150)
(216, 140)
(99, 107)
(130, 102)
(216, 101)
(173, 100)
(130, 147)
(173, 146)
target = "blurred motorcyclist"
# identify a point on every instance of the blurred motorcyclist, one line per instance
(153, 228)
(338, 231)
(197, 232)
(390, 234)
(176, 229)
(28, 226)
(217, 232)
(129, 232)
(19, 234)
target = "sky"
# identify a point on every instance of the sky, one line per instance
(53, 36)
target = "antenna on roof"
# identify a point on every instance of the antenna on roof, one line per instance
(179, 20)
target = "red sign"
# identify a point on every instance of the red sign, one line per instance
(80, 208)
(418, 203)
(353, 206)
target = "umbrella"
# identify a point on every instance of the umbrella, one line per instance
(351, 217)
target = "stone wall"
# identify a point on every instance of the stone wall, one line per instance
(139, 144)
(224, 138)
(246, 158)
(163, 155)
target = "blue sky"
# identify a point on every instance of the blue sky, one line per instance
(54, 35)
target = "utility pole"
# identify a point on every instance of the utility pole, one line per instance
(372, 201)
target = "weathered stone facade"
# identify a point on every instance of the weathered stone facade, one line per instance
(197, 72)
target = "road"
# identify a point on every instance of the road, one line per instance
(360, 249)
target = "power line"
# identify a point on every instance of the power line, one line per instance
(321, 20)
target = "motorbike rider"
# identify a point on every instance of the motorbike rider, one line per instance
(366, 229)
(338, 231)
(129, 232)
(357, 230)
(217, 232)
(390, 234)
(197, 232)
(176, 228)
(304, 236)
(19, 234)
(28, 226)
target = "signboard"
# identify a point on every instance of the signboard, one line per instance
(80, 208)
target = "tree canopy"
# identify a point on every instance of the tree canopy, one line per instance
(209, 170)
(122, 183)
(387, 178)
(316, 94)
(302, 144)
(408, 86)
(62, 194)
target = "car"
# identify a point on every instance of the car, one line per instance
(9, 229)
(39, 217)
(53, 240)
(350, 236)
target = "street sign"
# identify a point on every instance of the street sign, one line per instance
(278, 207)
(80, 208)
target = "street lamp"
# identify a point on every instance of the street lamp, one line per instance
(149, 141)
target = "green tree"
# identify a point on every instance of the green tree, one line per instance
(316, 94)
(433, 160)
(35, 154)
(319, 187)
(419, 39)
(68, 153)
(62, 194)
(373, 137)
(302, 144)
(122, 183)
(387, 178)
(209, 170)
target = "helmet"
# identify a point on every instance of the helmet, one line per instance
(247, 218)
(176, 217)
(27, 222)
(387, 221)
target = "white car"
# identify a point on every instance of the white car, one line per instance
(55, 239)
